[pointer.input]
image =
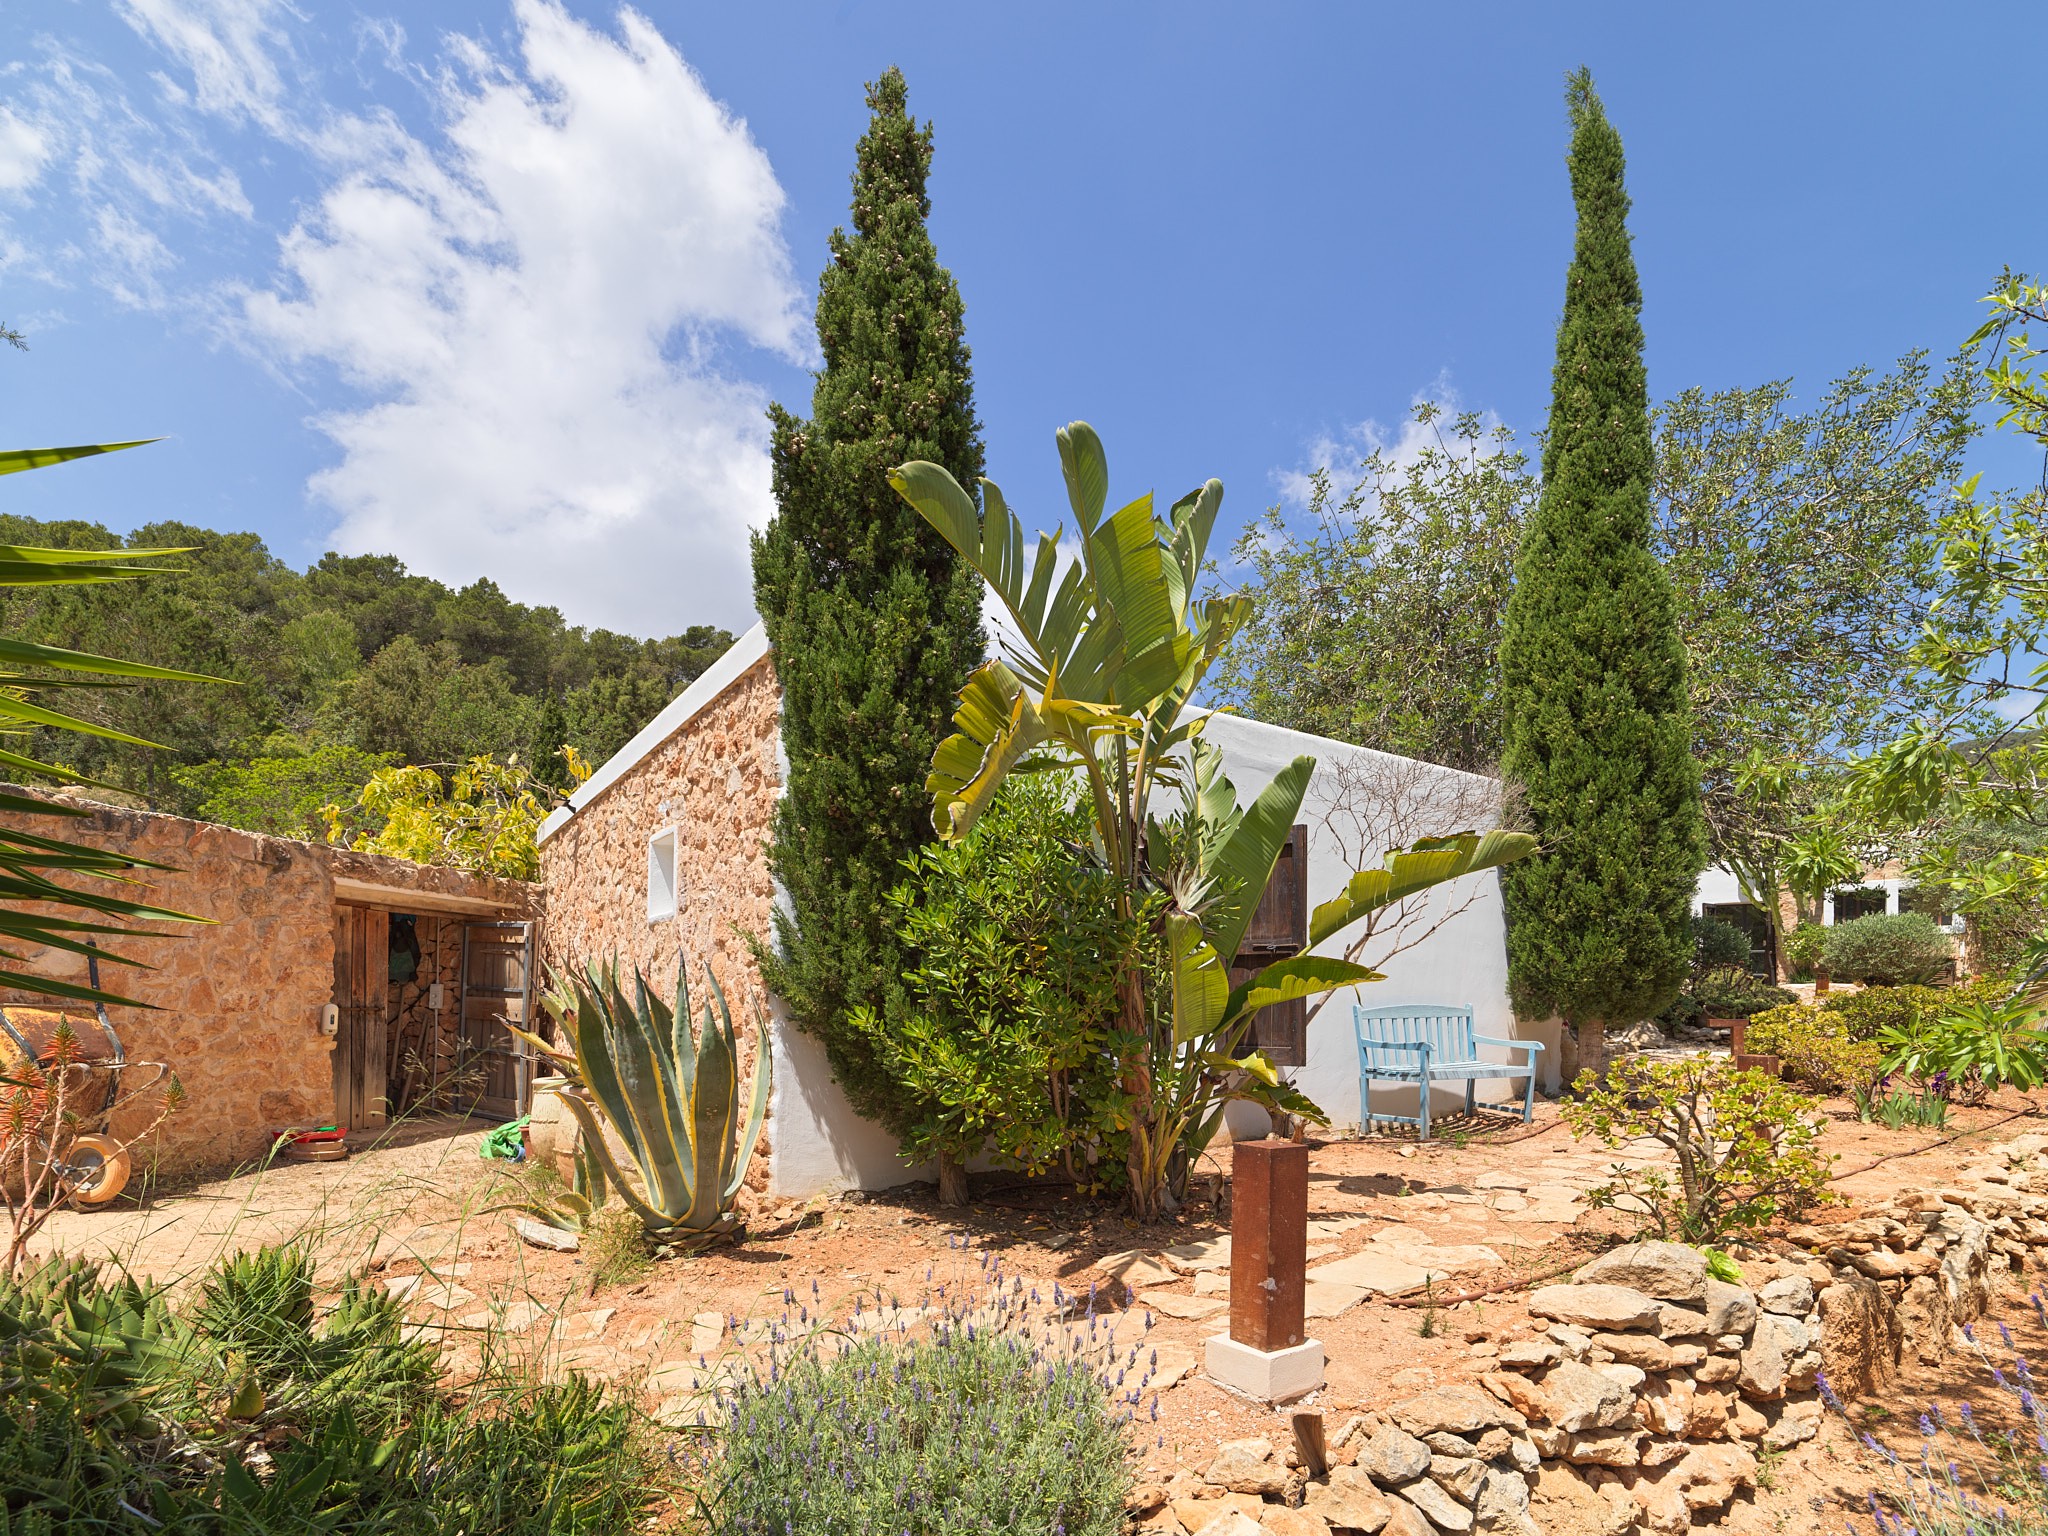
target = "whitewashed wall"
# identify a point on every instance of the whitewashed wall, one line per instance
(818, 1143)
(1462, 962)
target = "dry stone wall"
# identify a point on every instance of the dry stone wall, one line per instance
(1644, 1392)
(715, 780)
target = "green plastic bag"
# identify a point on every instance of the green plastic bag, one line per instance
(507, 1144)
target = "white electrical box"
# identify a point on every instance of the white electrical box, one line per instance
(434, 995)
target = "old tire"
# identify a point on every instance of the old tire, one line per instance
(99, 1169)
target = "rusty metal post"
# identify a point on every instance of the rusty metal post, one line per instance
(1268, 1243)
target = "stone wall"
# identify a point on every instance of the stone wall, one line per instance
(715, 780)
(1641, 1395)
(237, 1003)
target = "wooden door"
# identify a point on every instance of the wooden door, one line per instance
(497, 989)
(1279, 928)
(361, 969)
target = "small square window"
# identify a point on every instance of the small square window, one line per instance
(662, 888)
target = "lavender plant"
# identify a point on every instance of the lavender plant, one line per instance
(1978, 1473)
(992, 1409)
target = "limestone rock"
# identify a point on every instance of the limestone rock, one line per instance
(1503, 1502)
(1711, 1475)
(1374, 1273)
(1197, 1515)
(1609, 1308)
(1716, 1369)
(1144, 1498)
(1282, 1521)
(1193, 1258)
(1708, 1415)
(1730, 1308)
(1645, 1350)
(1564, 1500)
(1605, 1448)
(1530, 1354)
(1788, 1295)
(1794, 1423)
(1666, 1271)
(1681, 1323)
(1443, 1511)
(1881, 1264)
(1766, 1362)
(1349, 1502)
(1460, 1409)
(1518, 1392)
(1393, 1457)
(1459, 1476)
(1247, 1466)
(1230, 1522)
(1404, 1519)
(1631, 1377)
(1578, 1397)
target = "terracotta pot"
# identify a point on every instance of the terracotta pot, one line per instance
(550, 1128)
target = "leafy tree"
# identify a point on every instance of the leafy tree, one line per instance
(1962, 785)
(1414, 560)
(1800, 544)
(1595, 729)
(286, 793)
(478, 673)
(874, 620)
(484, 816)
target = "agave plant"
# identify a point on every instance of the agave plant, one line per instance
(671, 1097)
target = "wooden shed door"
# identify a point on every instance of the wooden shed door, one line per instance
(1279, 927)
(497, 989)
(362, 965)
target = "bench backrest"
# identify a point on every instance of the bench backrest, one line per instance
(1446, 1029)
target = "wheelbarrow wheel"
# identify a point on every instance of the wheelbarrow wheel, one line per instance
(98, 1169)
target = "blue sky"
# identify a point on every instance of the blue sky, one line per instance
(502, 286)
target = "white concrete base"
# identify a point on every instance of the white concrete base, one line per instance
(1278, 1377)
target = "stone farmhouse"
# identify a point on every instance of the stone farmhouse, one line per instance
(327, 986)
(662, 851)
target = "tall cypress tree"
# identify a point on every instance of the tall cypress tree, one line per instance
(1596, 729)
(874, 620)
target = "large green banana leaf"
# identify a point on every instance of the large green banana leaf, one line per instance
(1430, 861)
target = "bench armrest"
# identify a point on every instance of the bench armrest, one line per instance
(1531, 1046)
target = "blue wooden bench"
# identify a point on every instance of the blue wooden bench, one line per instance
(1425, 1046)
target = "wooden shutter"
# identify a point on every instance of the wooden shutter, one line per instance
(1280, 922)
(1279, 927)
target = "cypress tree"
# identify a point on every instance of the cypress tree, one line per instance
(1596, 733)
(874, 620)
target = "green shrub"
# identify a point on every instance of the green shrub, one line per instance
(1973, 1046)
(1816, 1047)
(999, 1039)
(960, 1433)
(1889, 949)
(251, 1412)
(1871, 1012)
(1746, 1146)
(1684, 1013)
(1741, 998)
(1806, 949)
(1720, 951)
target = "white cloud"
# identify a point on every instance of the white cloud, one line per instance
(536, 307)
(235, 51)
(24, 150)
(1342, 456)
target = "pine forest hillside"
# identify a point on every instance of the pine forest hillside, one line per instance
(351, 665)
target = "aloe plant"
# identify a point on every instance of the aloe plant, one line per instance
(672, 1099)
